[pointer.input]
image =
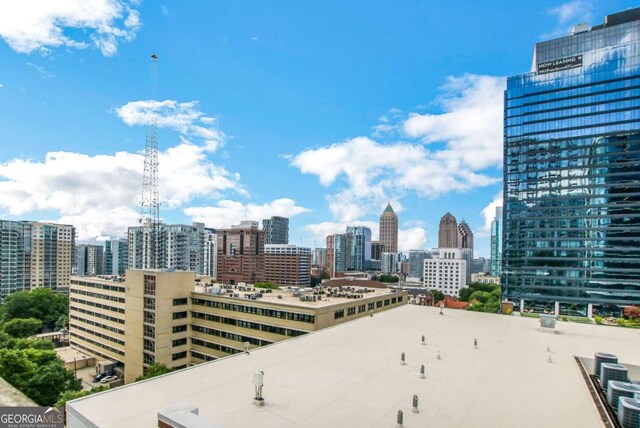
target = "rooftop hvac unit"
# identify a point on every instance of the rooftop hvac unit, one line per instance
(620, 389)
(610, 371)
(629, 412)
(603, 357)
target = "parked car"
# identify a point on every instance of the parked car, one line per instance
(109, 379)
(100, 376)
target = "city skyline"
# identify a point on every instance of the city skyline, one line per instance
(258, 93)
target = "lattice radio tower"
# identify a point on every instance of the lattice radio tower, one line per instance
(150, 203)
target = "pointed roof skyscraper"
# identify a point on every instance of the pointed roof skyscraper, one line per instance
(389, 230)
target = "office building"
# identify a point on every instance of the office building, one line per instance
(241, 254)
(179, 247)
(480, 265)
(465, 236)
(89, 260)
(35, 254)
(179, 319)
(287, 265)
(448, 232)
(389, 263)
(338, 253)
(360, 247)
(116, 256)
(276, 230)
(376, 250)
(484, 278)
(389, 230)
(416, 262)
(446, 272)
(496, 243)
(572, 144)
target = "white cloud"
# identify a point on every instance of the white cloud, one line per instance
(37, 25)
(227, 213)
(569, 14)
(471, 126)
(100, 194)
(1, 85)
(489, 213)
(573, 12)
(164, 10)
(182, 117)
(413, 238)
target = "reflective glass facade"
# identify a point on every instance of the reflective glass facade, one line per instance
(572, 169)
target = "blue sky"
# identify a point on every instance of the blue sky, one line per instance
(320, 111)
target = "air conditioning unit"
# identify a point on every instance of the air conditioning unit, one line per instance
(620, 389)
(603, 357)
(610, 371)
(629, 412)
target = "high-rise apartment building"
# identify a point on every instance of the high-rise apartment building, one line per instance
(287, 264)
(389, 263)
(446, 272)
(571, 168)
(115, 256)
(276, 230)
(35, 254)
(465, 236)
(338, 253)
(360, 247)
(241, 254)
(89, 260)
(496, 243)
(389, 230)
(448, 232)
(319, 257)
(180, 247)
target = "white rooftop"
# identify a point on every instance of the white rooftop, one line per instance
(350, 376)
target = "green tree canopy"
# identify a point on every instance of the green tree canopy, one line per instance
(22, 327)
(437, 296)
(154, 370)
(72, 395)
(388, 278)
(269, 285)
(41, 303)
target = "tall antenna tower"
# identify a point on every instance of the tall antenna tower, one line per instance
(150, 202)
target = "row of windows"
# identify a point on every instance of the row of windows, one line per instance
(97, 295)
(179, 355)
(248, 324)
(292, 316)
(97, 334)
(179, 328)
(97, 324)
(179, 315)
(201, 356)
(352, 310)
(215, 346)
(93, 350)
(97, 305)
(229, 336)
(179, 342)
(117, 288)
(96, 314)
(179, 302)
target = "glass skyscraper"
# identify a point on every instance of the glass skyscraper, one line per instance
(496, 243)
(572, 171)
(360, 247)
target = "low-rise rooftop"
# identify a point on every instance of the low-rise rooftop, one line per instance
(351, 376)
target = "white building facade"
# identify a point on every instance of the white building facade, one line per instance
(446, 272)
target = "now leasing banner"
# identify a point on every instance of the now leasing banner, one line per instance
(560, 64)
(31, 417)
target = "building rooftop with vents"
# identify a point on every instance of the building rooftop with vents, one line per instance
(351, 375)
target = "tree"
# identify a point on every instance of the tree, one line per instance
(388, 278)
(154, 370)
(41, 303)
(437, 296)
(50, 382)
(62, 322)
(268, 285)
(22, 327)
(72, 395)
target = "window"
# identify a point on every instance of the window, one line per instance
(149, 303)
(179, 302)
(179, 315)
(338, 314)
(362, 308)
(179, 328)
(149, 331)
(179, 355)
(149, 345)
(370, 306)
(149, 317)
(379, 304)
(351, 311)
(179, 342)
(150, 285)
(148, 359)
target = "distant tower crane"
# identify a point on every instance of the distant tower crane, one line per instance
(150, 202)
